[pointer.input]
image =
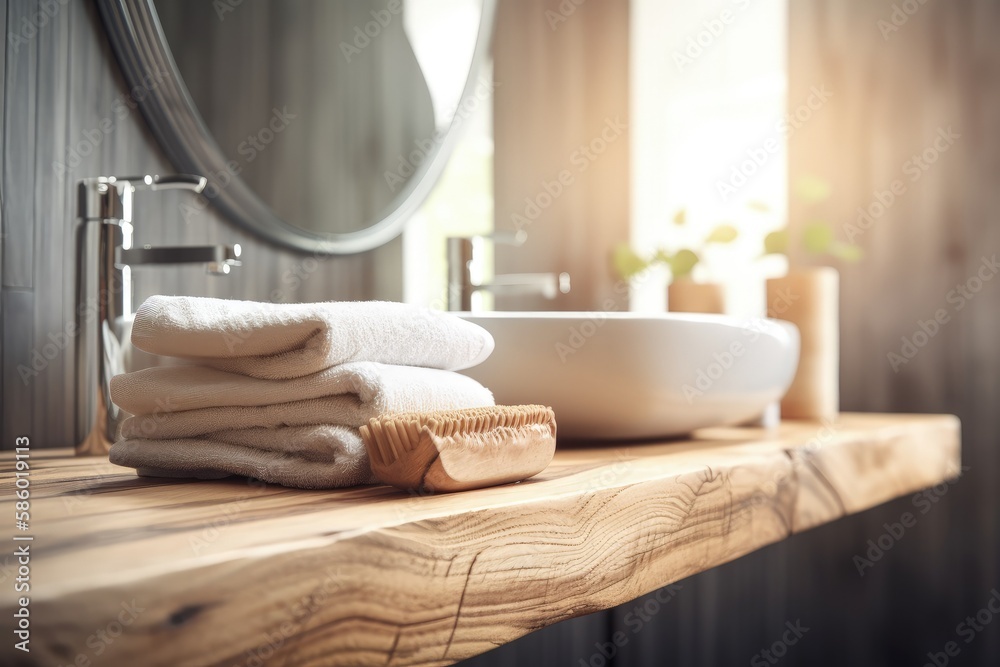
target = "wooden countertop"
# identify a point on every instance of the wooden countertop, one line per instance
(132, 571)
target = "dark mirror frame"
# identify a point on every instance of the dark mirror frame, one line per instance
(142, 51)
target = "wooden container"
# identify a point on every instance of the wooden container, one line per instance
(809, 298)
(687, 296)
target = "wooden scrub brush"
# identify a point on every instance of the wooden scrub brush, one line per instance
(454, 450)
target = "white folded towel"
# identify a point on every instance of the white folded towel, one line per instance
(193, 421)
(365, 389)
(279, 341)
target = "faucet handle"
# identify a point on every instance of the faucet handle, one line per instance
(169, 182)
(549, 285)
(109, 198)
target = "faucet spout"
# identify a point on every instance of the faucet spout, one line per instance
(462, 284)
(549, 285)
(218, 259)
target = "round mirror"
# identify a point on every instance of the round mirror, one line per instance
(320, 125)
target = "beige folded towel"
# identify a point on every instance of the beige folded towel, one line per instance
(278, 341)
(210, 459)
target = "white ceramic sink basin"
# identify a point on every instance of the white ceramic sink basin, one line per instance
(625, 375)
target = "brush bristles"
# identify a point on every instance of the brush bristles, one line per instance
(395, 434)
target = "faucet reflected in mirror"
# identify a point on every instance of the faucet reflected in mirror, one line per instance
(104, 257)
(465, 272)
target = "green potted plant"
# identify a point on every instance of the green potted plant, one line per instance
(817, 234)
(684, 294)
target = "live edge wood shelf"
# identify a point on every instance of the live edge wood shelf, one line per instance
(213, 573)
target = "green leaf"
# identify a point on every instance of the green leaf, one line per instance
(776, 243)
(680, 217)
(626, 262)
(847, 252)
(759, 206)
(723, 234)
(683, 263)
(812, 189)
(661, 256)
(818, 237)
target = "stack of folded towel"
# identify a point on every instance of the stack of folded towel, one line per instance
(278, 391)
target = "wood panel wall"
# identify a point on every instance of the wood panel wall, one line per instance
(561, 142)
(892, 91)
(60, 83)
(900, 79)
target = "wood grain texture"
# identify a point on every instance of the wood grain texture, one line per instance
(61, 89)
(374, 576)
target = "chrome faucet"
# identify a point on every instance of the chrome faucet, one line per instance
(104, 254)
(463, 270)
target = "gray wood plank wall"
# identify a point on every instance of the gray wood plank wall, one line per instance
(354, 114)
(3, 226)
(60, 82)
